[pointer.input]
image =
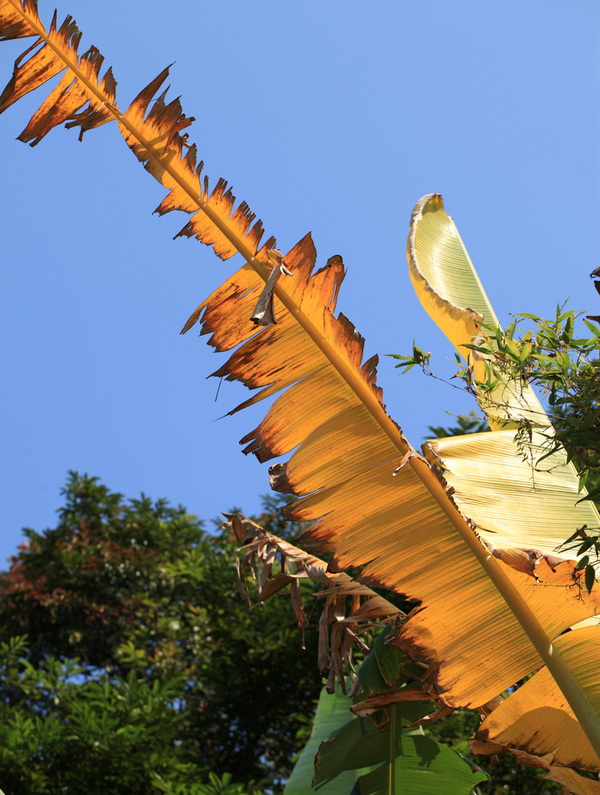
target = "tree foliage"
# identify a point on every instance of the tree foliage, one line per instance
(126, 646)
(141, 661)
(564, 364)
(465, 423)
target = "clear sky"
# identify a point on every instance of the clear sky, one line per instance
(333, 117)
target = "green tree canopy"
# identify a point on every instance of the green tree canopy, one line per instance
(131, 665)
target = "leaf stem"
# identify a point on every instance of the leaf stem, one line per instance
(393, 729)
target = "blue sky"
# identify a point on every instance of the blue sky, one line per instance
(333, 117)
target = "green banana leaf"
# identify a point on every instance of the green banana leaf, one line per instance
(332, 714)
(357, 758)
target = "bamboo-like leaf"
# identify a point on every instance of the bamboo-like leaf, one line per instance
(374, 502)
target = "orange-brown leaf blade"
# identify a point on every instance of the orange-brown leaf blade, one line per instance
(97, 113)
(153, 132)
(42, 64)
(53, 52)
(14, 23)
(537, 717)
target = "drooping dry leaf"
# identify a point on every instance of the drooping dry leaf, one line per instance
(264, 312)
(373, 703)
(349, 606)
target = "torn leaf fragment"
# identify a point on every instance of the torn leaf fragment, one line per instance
(264, 311)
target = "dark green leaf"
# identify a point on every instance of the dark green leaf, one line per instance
(423, 766)
(590, 578)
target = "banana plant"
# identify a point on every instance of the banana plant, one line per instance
(360, 757)
(375, 749)
(489, 614)
(390, 693)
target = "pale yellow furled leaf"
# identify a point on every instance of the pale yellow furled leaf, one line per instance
(451, 293)
(513, 503)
